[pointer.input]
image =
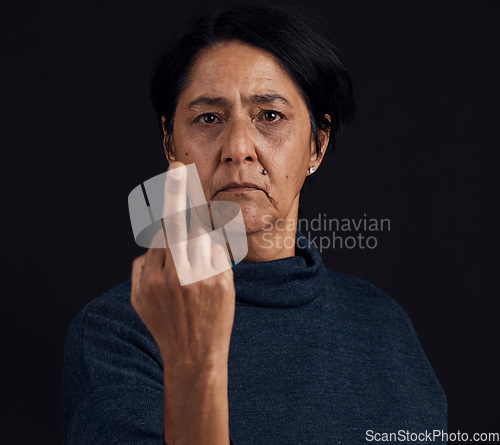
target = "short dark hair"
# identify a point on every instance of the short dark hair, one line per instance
(305, 52)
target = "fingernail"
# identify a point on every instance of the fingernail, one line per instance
(178, 173)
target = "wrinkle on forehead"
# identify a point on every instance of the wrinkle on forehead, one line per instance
(264, 75)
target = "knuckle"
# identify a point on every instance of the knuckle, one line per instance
(223, 285)
(138, 262)
(154, 282)
(217, 284)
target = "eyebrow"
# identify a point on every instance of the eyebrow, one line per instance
(268, 98)
(256, 98)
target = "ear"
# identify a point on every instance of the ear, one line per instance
(168, 142)
(324, 138)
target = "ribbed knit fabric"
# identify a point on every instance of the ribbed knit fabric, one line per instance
(316, 357)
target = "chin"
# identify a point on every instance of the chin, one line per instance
(256, 217)
(256, 220)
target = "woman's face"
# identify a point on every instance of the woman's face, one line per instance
(240, 113)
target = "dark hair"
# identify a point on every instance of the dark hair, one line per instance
(308, 56)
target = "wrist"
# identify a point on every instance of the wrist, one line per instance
(213, 363)
(196, 404)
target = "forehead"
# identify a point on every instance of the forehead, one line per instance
(236, 68)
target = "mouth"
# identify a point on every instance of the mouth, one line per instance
(240, 190)
(245, 187)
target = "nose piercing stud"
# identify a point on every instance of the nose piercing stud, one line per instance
(264, 171)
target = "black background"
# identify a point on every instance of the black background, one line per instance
(81, 135)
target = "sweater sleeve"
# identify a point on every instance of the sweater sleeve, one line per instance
(112, 391)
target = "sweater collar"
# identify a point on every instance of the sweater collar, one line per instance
(287, 282)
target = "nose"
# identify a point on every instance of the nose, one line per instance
(238, 146)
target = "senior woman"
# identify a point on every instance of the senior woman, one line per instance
(279, 349)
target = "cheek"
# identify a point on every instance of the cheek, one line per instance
(188, 136)
(289, 153)
(195, 136)
(287, 174)
(193, 148)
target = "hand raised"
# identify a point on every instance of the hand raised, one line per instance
(191, 324)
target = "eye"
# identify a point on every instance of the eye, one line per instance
(208, 118)
(271, 116)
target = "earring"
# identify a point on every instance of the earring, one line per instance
(311, 170)
(264, 171)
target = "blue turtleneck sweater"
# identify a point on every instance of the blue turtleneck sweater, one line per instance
(316, 357)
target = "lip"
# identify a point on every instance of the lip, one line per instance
(240, 190)
(240, 187)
